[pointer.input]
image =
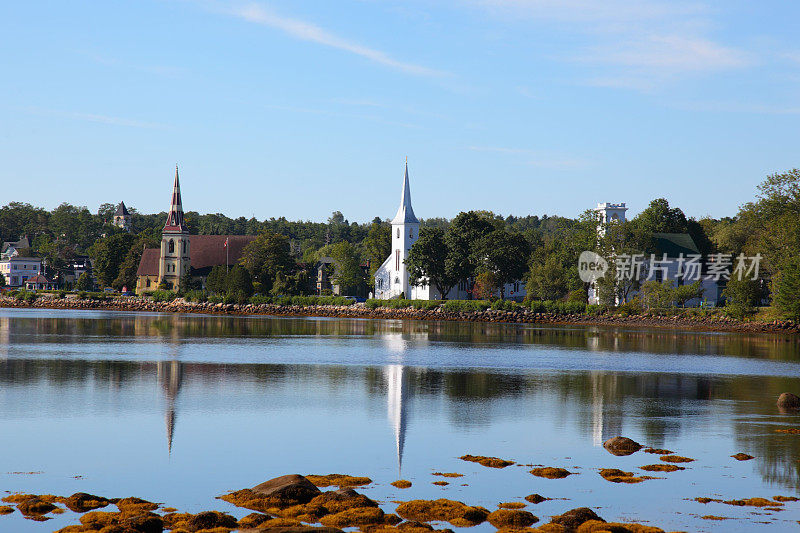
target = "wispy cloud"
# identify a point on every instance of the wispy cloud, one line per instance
(535, 158)
(306, 31)
(635, 44)
(100, 119)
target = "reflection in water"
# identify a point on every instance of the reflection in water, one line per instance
(170, 376)
(398, 411)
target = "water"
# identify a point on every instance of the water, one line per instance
(182, 408)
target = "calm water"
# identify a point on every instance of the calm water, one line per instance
(181, 408)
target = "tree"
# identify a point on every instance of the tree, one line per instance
(685, 293)
(548, 278)
(107, 256)
(742, 296)
(485, 286)
(189, 282)
(348, 273)
(657, 295)
(658, 217)
(428, 260)
(463, 236)
(267, 255)
(126, 276)
(505, 255)
(2, 281)
(84, 283)
(376, 247)
(787, 290)
(239, 284)
(216, 282)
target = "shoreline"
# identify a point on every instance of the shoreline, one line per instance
(524, 316)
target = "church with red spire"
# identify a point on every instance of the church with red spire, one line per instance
(183, 254)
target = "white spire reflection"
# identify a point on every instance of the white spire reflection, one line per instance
(170, 376)
(397, 409)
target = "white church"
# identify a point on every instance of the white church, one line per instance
(391, 278)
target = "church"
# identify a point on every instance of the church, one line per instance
(181, 253)
(391, 278)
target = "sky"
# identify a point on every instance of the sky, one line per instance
(300, 108)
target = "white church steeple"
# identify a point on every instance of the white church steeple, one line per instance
(405, 213)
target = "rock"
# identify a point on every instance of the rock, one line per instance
(291, 489)
(210, 520)
(35, 506)
(514, 518)
(491, 462)
(788, 402)
(535, 498)
(401, 484)
(621, 446)
(742, 456)
(336, 501)
(551, 472)
(572, 519)
(81, 502)
(144, 523)
(457, 513)
(359, 516)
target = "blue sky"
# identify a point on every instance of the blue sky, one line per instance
(299, 108)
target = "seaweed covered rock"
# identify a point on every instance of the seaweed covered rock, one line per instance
(572, 519)
(621, 446)
(210, 520)
(291, 489)
(513, 518)
(143, 523)
(788, 402)
(336, 501)
(599, 526)
(338, 480)
(135, 505)
(551, 472)
(35, 506)
(457, 513)
(491, 462)
(615, 475)
(535, 498)
(81, 502)
(358, 516)
(401, 484)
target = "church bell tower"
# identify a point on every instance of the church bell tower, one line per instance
(175, 259)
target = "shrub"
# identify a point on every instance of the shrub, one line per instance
(260, 299)
(162, 296)
(195, 296)
(465, 306)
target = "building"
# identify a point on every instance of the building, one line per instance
(122, 218)
(12, 248)
(39, 283)
(669, 261)
(391, 278)
(17, 269)
(181, 253)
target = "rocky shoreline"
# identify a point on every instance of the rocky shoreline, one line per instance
(519, 316)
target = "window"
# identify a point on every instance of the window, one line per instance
(397, 259)
(148, 282)
(171, 246)
(410, 233)
(398, 233)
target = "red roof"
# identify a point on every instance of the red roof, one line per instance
(38, 278)
(205, 251)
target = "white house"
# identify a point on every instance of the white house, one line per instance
(391, 278)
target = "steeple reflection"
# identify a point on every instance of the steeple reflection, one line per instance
(170, 377)
(398, 410)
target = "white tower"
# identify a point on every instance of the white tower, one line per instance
(405, 232)
(608, 212)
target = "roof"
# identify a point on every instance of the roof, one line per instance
(205, 251)
(38, 278)
(23, 242)
(122, 211)
(674, 244)
(405, 213)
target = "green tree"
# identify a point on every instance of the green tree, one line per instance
(504, 254)
(548, 278)
(126, 276)
(107, 256)
(348, 273)
(267, 255)
(217, 280)
(428, 260)
(463, 238)
(685, 293)
(741, 296)
(239, 283)
(485, 286)
(657, 295)
(376, 247)
(84, 282)
(659, 217)
(2, 281)
(787, 289)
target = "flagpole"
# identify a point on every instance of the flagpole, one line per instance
(227, 255)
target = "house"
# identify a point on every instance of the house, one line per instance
(326, 276)
(391, 278)
(18, 269)
(675, 257)
(181, 253)
(10, 248)
(39, 283)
